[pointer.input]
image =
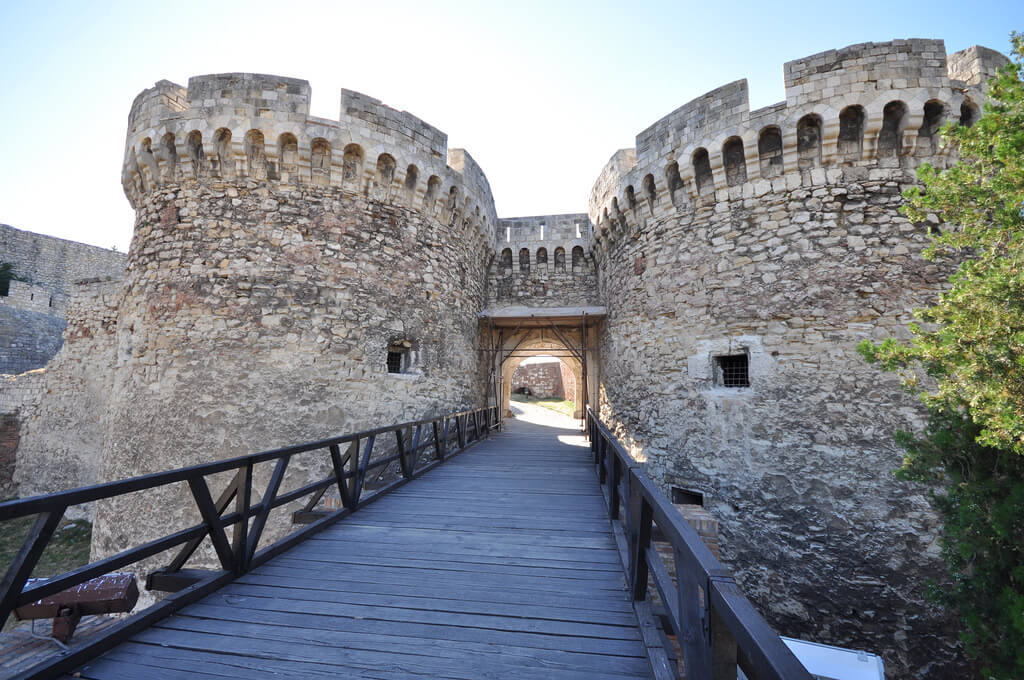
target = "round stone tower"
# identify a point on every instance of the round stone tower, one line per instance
(289, 278)
(742, 256)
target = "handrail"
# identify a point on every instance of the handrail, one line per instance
(445, 435)
(717, 627)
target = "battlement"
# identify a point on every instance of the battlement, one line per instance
(864, 105)
(238, 127)
(543, 261)
(573, 229)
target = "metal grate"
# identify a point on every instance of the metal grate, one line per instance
(394, 362)
(733, 370)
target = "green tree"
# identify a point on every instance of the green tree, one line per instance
(971, 344)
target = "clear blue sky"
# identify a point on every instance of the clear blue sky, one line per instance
(541, 93)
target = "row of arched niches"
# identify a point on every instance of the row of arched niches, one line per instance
(856, 139)
(170, 160)
(539, 263)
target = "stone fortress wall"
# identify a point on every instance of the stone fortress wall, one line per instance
(543, 261)
(32, 314)
(771, 240)
(278, 259)
(62, 409)
(544, 380)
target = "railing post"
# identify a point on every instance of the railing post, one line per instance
(26, 558)
(360, 471)
(344, 486)
(243, 501)
(214, 527)
(403, 455)
(614, 477)
(693, 612)
(414, 453)
(253, 540)
(443, 451)
(642, 519)
(724, 655)
(438, 451)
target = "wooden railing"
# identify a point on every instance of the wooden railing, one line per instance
(717, 627)
(351, 461)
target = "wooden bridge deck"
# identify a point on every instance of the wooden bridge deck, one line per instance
(499, 564)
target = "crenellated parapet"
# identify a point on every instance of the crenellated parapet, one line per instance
(866, 105)
(242, 127)
(543, 261)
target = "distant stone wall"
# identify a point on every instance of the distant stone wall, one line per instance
(32, 313)
(55, 264)
(63, 409)
(28, 339)
(543, 261)
(542, 380)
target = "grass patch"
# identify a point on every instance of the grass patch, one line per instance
(68, 549)
(563, 406)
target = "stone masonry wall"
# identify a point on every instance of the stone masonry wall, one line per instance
(773, 237)
(64, 408)
(543, 261)
(55, 264)
(277, 258)
(543, 380)
(28, 339)
(32, 313)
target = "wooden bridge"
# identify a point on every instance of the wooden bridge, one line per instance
(528, 556)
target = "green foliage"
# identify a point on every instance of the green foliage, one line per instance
(971, 343)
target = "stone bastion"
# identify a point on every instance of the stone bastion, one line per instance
(289, 278)
(742, 255)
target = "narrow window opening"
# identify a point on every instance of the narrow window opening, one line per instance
(524, 261)
(577, 259)
(578, 233)
(735, 161)
(732, 370)
(890, 138)
(541, 231)
(702, 172)
(682, 496)
(508, 234)
(851, 133)
(808, 142)
(769, 151)
(396, 360)
(968, 113)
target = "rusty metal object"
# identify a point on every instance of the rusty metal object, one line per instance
(107, 594)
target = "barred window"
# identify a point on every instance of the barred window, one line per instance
(732, 370)
(395, 360)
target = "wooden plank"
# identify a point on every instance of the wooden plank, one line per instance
(498, 564)
(437, 648)
(607, 601)
(427, 616)
(390, 664)
(462, 605)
